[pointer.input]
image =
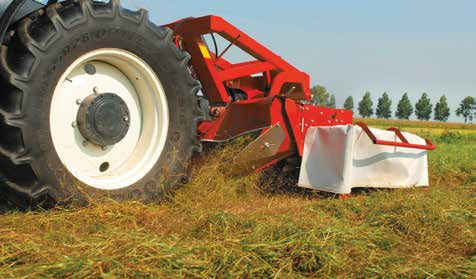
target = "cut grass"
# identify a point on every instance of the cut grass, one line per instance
(220, 226)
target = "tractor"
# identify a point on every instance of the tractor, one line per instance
(97, 99)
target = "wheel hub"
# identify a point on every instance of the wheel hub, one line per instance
(80, 138)
(103, 119)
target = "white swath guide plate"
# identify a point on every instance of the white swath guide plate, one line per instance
(339, 158)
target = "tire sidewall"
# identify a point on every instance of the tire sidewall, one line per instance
(159, 55)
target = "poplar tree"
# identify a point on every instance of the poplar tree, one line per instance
(365, 106)
(349, 103)
(384, 107)
(404, 108)
(423, 108)
(442, 111)
(332, 102)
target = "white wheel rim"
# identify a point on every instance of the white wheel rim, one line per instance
(126, 75)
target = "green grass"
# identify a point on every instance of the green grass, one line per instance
(225, 227)
(417, 124)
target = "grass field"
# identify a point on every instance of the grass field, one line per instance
(217, 226)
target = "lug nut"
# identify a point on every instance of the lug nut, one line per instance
(90, 69)
(74, 124)
(96, 90)
(78, 102)
(85, 143)
(126, 118)
(104, 148)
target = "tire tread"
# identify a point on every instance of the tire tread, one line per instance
(33, 36)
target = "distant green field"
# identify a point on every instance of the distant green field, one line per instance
(417, 124)
(259, 226)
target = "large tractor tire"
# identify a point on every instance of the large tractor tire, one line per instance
(95, 99)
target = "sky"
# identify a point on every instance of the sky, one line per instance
(355, 46)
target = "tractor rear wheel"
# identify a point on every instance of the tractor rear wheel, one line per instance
(95, 100)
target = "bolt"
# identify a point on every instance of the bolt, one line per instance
(96, 90)
(90, 69)
(267, 145)
(104, 148)
(126, 118)
(85, 143)
(78, 102)
(74, 124)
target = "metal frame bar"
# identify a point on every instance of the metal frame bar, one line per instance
(215, 72)
(429, 145)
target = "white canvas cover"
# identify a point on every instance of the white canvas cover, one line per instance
(339, 158)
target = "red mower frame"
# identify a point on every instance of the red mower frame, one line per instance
(277, 93)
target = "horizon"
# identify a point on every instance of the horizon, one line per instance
(355, 46)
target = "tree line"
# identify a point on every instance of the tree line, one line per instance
(423, 109)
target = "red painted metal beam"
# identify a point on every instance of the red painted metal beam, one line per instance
(215, 24)
(245, 70)
(214, 71)
(429, 145)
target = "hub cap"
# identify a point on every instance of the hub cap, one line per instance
(109, 119)
(103, 119)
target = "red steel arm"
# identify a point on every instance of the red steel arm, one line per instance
(215, 73)
(429, 145)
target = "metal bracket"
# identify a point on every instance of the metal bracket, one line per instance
(259, 152)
